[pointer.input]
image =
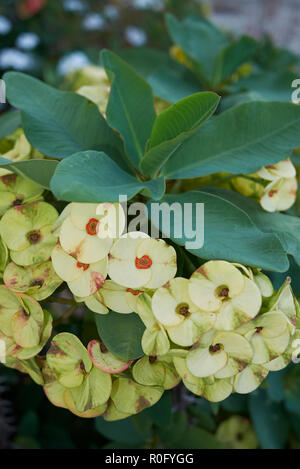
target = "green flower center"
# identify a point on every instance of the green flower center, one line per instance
(183, 309)
(222, 291)
(34, 236)
(215, 348)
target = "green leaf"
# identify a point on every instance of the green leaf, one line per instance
(269, 86)
(200, 39)
(38, 171)
(269, 420)
(232, 56)
(121, 333)
(169, 79)
(91, 176)
(60, 123)
(123, 431)
(183, 116)
(161, 412)
(9, 122)
(291, 389)
(130, 108)
(285, 227)
(229, 233)
(240, 140)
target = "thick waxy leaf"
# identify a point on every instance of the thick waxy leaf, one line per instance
(183, 116)
(130, 108)
(232, 56)
(200, 39)
(264, 413)
(92, 176)
(285, 227)
(38, 171)
(269, 86)
(121, 333)
(240, 140)
(169, 80)
(61, 123)
(9, 122)
(229, 233)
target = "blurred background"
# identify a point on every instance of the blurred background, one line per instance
(50, 39)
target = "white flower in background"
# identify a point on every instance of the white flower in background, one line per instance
(5, 25)
(27, 41)
(74, 60)
(135, 36)
(14, 58)
(156, 5)
(93, 22)
(142, 262)
(280, 194)
(75, 5)
(111, 12)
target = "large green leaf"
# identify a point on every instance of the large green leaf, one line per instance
(123, 431)
(60, 123)
(91, 176)
(9, 122)
(240, 140)
(286, 227)
(183, 116)
(269, 86)
(232, 56)
(229, 233)
(169, 79)
(269, 420)
(121, 333)
(130, 108)
(200, 39)
(39, 171)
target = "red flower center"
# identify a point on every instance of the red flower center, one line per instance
(80, 265)
(134, 292)
(92, 226)
(272, 192)
(144, 262)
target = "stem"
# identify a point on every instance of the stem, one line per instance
(66, 315)
(63, 301)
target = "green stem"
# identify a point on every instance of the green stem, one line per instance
(63, 301)
(66, 315)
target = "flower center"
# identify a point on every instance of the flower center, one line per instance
(144, 262)
(37, 282)
(152, 359)
(183, 309)
(215, 348)
(272, 192)
(34, 237)
(103, 348)
(222, 291)
(258, 329)
(134, 292)
(17, 202)
(92, 227)
(80, 265)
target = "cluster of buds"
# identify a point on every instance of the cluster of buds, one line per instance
(274, 186)
(16, 147)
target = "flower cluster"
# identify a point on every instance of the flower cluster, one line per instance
(220, 331)
(16, 147)
(275, 186)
